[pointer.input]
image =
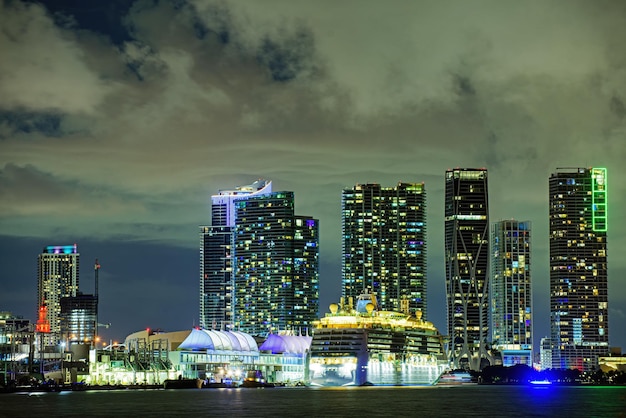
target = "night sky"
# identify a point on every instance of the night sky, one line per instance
(119, 120)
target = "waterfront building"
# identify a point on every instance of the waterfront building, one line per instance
(276, 278)
(384, 245)
(216, 255)
(57, 278)
(149, 358)
(467, 264)
(16, 340)
(578, 267)
(511, 291)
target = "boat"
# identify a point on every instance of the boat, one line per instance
(456, 377)
(181, 383)
(361, 345)
(255, 379)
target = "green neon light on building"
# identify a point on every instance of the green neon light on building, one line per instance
(598, 199)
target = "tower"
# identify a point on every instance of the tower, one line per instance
(384, 245)
(276, 279)
(467, 262)
(57, 278)
(511, 291)
(578, 267)
(216, 255)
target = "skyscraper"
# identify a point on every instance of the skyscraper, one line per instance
(57, 278)
(511, 291)
(578, 267)
(216, 255)
(384, 245)
(276, 283)
(467, 263)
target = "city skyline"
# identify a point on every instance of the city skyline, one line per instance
(118, 122)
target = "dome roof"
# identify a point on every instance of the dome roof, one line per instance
(204, 339)
(291, 344)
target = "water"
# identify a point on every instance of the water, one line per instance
(466, 401)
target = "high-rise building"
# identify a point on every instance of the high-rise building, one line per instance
(276, 283)
(578, 267)
(467, 264)
(384, 245)
(216, 256)
(78, 319)
(57, 278)
(511, 292)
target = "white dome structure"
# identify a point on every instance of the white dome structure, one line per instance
(204, 339)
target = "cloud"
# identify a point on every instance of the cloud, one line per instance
(43, 66)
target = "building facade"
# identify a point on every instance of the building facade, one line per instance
(216, 256)
(57, 278)
(511, 291)
(276, 278)
(79, 319)
(384, 245)
(467, 266)
(578, 267)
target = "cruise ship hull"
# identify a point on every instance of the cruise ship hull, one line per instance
(356, 357)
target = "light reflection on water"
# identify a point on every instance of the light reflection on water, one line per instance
(468, 401)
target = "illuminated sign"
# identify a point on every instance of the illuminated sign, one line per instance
(599, 199)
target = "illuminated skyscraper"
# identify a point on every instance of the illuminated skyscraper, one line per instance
(511, 291)
(57, 278)
(276, 283)
(216, 256)
(467, 263)
(384, 245)
(578, 267)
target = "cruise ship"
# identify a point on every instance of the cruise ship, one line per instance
(358, 345)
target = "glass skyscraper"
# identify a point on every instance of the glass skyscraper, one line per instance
(384, 245)
(511, 291)
(276, 279)
(216, 255)
(57, 278)
(259, 263)
(578, 267)
(467, 264)
(78, 319)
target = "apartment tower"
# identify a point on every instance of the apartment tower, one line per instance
(216, 256)
(578, 267)
(276, 276)
(384, 245)
(511, 291)
(467, 264)
(57, 278)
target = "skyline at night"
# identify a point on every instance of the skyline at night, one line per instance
(119, 121)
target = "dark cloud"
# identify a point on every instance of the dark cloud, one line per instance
(617, 107)
(103, 18)
(16, 122)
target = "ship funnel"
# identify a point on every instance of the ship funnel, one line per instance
(333, 308)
